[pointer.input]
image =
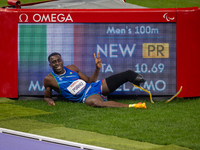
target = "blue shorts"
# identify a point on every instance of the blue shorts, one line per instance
(94, 88)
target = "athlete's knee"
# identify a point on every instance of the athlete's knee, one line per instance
(97, 103)
(94, 101)
(131, 73)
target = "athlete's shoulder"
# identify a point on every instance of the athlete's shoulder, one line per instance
(73, 68)
(49, 76)
(48, 79)
(50, 83)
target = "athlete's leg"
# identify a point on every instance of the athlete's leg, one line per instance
(97, 101)
(111, 83)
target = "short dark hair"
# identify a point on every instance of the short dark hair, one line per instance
(52, 54)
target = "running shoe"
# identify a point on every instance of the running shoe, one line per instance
(140, 105)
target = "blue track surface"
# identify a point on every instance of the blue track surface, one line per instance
(11, 142)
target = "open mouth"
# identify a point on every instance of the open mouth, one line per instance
(58, 67)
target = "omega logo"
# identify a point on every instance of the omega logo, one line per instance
(23, 18)
(46, 18)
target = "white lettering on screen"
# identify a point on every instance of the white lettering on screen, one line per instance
(52, 18)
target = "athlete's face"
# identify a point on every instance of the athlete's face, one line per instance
(56, 63)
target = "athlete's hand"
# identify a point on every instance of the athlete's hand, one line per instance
(51, 103)
(98, 61)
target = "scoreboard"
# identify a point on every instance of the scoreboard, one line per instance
(151, 42)
(146, 48)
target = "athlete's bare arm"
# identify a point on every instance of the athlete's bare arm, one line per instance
(49, 84)
(94, 76)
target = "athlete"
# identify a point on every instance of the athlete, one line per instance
(75, 86)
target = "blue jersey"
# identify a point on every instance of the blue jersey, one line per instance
(75, 89)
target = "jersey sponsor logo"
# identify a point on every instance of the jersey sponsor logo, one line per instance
(76, 87)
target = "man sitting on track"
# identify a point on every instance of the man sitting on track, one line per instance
(71, 83)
